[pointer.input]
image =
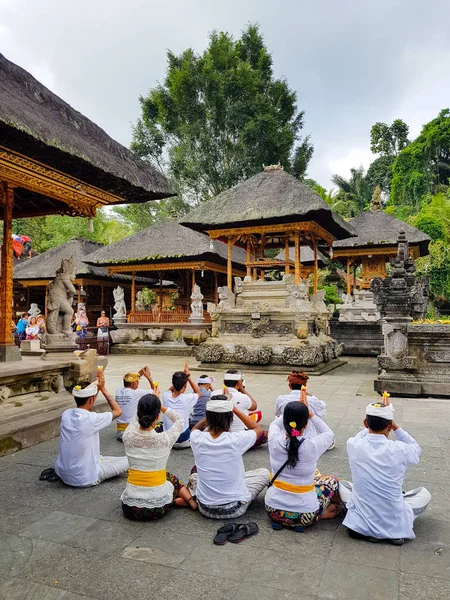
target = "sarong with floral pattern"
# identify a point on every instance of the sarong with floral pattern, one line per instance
(136, 513)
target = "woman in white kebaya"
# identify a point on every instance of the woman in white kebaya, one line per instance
(298, 495)
(151, 490)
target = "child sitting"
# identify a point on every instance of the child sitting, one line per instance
(204, 382)
(178, 400)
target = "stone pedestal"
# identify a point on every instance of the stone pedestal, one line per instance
(357, 338)
(30, 346)
(59, 342)
(119, 319)
(360, 308)
(9, 353)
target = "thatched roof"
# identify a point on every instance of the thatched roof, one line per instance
(306, 256)
(44, 265)
(168, 241)
(376, 228)
(38, 124)
(272, 196)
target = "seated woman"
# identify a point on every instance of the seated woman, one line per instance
(298, 495)
(32, 329)
(222, 487)
(151, 491)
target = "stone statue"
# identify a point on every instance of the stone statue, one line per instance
(140, 304)
(34, 310)
(238, 285)
(196, 304)
(60, 298)
(226, 297)
(119, 304)
(317, 302)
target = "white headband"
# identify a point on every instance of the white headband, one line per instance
(87, 392)
(376, 409)
(232, 376)
(206, 379)
(219, 406)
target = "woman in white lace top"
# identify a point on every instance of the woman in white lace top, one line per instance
(151, 491)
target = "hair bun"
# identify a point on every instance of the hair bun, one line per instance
(145, 421)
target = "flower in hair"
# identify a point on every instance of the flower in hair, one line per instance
(378, 405)
(77, 387)
(295, 433)
(293, 424)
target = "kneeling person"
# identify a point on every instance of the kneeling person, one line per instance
(128, 397)
(79, 463)
(377, 507)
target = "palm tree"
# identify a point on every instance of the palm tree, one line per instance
(355, 189)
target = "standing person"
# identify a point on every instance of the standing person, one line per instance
(102, 325)
(21, 326)
(82, 323)
(128, 396)
(151, 490)
(377, 507)
(79, 463)
(178, 400)
(32, 329)
(298, 496)
(233, 382)
(296, 381)
(204, 382)
(222, 487)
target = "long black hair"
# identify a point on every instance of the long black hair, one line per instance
(294, 412)
(219, 422)
(148, 409)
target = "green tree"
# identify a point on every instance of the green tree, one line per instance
(380, 173)
(388, 140)
(140, 216)
(219, 116)
(430, 225)
(353, 190)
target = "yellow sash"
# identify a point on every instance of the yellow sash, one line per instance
(146, 478)
(121, 426)
(290, 487)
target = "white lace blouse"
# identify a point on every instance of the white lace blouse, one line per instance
(149, 451)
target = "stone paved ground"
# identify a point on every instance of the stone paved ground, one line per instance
(61, 543)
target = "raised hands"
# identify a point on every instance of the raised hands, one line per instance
(186, 369)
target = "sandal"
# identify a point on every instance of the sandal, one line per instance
(243, 531)
(223, 533)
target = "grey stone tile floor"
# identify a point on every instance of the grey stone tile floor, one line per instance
(59, 543)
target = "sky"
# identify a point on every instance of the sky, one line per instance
(351, 62)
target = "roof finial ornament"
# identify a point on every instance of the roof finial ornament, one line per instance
(277, 167)
(375, 203)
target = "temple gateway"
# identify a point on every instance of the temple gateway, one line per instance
(261, 321)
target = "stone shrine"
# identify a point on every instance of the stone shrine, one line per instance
(358, 309)
(271, 325)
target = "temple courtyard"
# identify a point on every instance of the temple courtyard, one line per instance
(60, 543)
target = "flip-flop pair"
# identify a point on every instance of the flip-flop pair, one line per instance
(49, 475)
(235, 533)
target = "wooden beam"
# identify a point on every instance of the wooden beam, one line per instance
(216, 291)
(249, 271)
(6, 288)
(286, 254)
(348, 278)
(316, 267)
(229, 264)
(297, 257)
(133, 292)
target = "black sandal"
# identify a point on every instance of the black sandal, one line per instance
(49, 475)
(243, 531)
(224, 533)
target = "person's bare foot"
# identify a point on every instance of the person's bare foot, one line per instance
(180, 502)
(331, 512)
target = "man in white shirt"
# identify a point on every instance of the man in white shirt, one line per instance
(79, 463)
(377, 507)
(233, 382)
(128, 397)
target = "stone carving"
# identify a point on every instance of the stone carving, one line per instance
(363, 309)
(60, 298)
(438, 357)
(196, 304)
(139, 304)
(34, 310)
(317, 302)
(253, 355)
(209, 353)
(119, 302)
(238, 285)
(256, 325)
(5, 393)
(226, 298)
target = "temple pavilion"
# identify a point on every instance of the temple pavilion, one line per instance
(94, 284)
(375, 243)
(53, 160)
(271, 210)
(173, 252)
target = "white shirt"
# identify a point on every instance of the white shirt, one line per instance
(220, 468)
(303, 472)
(182, 404)
(128, 399)
(78, 463)
(378, 465)
(316, 406)
(149, 451)
(243, 403)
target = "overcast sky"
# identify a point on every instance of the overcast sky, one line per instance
(351, 62)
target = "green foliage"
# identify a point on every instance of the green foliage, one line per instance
(219, 116)
(140, 216)
(149, 297)
(331, 294)
(430, 225)
(353, 191)
(380, 173)
(437, 267)
(389, 140)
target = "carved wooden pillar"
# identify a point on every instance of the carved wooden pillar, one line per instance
(133, 292)
(193, 280)
(249, 271)
(216, 291)
(229, 263)
(297, 257)
(6, 288)
(160, 299)
(316, 267)
(354, 275)
(102, 295)
(286, 254)
(348, 276)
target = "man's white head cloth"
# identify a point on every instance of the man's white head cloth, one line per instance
(232, 376)
(219, 406)
(87, 392)
(204, 380)
(376, 409)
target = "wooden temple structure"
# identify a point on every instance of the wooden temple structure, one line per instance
(173, 252)
(271, 210)
(375, 243)
(53, 160)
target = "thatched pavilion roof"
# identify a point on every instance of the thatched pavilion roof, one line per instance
(376, 228)
(306, 256)
(165, 242)
(44, 266)
(40, 125)
(272, 196)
